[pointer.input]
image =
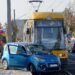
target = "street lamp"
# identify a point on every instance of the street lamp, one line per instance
(36, 4)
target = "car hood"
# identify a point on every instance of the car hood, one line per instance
(48, 58)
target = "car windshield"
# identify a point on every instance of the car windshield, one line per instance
(37, 49)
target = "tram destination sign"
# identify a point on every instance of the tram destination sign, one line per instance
(49, 23)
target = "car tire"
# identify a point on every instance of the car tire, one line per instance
(5, 64)
(32, 69)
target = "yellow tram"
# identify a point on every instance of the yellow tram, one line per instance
(48, 29)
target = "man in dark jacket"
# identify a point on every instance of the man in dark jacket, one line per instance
(2, 43)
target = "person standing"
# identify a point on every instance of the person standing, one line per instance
(73, 42)
(2, 43)
(68, 41)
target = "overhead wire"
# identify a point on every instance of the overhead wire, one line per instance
(63, 6)
(59, 5)
(24, 13)
(51, 4)
(55, 5)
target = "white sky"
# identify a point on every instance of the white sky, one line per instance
(24, 9)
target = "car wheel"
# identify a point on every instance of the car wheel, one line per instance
(32, 69)
(5, 64)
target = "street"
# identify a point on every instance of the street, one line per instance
(14, 72)
(71, 64)
(69, 71)
(37, 34)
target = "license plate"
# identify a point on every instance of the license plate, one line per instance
(53, 65)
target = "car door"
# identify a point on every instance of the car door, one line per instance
(17, 56)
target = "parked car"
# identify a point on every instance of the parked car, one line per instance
(33, 57)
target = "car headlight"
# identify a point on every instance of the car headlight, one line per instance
(39, 59)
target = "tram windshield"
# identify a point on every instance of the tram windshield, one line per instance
(50, 33)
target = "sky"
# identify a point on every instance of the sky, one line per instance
(23, 9)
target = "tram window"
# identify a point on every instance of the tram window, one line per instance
(64, 30)
(28, 31)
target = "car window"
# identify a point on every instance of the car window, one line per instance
(13, 49)
(32, 49)
(17, 50)
(37, 48)
(5, 47)
(21, 50)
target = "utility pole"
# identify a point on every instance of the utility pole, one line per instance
(14, 17)
(14, 32)
(9, 31)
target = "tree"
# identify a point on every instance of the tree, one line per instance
(68, 18)
(14, 31)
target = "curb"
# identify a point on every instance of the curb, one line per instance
(0, 61)
(0, 65)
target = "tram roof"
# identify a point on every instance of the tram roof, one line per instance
(47, 15)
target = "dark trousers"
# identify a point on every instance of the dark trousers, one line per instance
(73, 49)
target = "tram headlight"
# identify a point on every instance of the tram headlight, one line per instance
(62, 55)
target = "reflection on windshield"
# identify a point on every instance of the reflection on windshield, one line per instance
(51, 34)
(37, 49)
(49, 23)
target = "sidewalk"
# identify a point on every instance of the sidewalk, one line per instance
(0, 64)
(0, 60)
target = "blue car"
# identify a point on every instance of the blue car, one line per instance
(33, 57)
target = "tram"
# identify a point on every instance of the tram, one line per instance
(47, 28)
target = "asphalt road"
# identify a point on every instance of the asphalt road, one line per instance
(71, 64)
(23, 72)
(14, 72)
(70, 70)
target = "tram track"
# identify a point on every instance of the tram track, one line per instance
(68, 73)
(62, 73)
(13, 72)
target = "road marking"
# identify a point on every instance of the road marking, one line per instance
(14, 72)
(72, 61)
(68, 72)
(65, 71)
(72, 55)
